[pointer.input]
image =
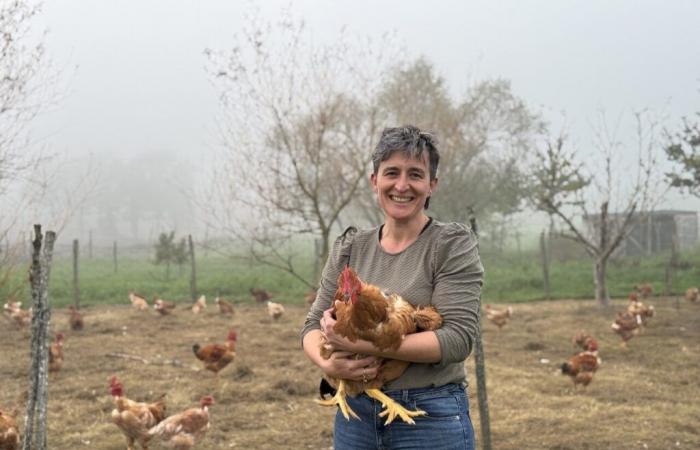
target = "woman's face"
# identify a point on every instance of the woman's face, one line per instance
(402, 184)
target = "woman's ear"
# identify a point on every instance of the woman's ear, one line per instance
(373, 182)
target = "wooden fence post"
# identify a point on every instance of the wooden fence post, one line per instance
(193, 278)
(114, 256)
(37, 401)
(480, 364)
(544, 252)
(76, 285)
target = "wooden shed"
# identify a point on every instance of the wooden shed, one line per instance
(656, 232)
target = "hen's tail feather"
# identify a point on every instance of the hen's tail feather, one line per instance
(324, 388)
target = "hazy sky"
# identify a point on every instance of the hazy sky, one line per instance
(139, 83)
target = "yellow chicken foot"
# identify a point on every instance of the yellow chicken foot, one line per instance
(393, 408)
(340, 399)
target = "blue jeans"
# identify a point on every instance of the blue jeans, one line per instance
(446, 427)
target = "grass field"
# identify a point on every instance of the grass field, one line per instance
(641, 398)
(510, 277)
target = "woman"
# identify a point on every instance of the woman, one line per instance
(426, 262)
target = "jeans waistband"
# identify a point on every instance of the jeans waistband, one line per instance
(406, 394)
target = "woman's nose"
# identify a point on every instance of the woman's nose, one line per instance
(401, 184)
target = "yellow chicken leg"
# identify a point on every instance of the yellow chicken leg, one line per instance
(340, 399)
(393, 408)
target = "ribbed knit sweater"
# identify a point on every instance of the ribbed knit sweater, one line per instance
(441, 268)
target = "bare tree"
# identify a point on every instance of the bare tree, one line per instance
(299, 122)
(26, 79)
(567, 189)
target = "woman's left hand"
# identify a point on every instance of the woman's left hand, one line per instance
(333, 339)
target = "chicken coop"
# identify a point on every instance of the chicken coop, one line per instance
(654, 232)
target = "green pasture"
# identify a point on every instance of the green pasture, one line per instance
(510, 277)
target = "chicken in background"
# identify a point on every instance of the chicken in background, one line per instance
(182, 431)
(640, 310)
(275, 310)
(499, 317)
(626, 325)
(13, 311)
(199, 305)
(582, 366)
(363, 311)
(692, 294)
(310, 297)
(75, 318)
(217, 356)
(644, 290)
(10, 437)
(225, 308)
(135, 419)
(138, 302)
(260, 295)
(164, 308)
(585, 341)
(56, 353)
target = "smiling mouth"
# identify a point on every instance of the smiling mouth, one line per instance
(401, 198)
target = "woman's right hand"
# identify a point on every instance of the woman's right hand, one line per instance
(346, 365)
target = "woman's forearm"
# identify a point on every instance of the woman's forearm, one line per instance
(422, 347)
(312, 347)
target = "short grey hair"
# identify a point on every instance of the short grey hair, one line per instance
(410, 140)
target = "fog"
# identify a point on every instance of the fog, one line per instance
(139, 110)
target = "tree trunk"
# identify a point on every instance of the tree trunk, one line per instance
(76, 285)
(544, 251)
(316, 276)
(37, 402)
(601, 288)
(193, 278)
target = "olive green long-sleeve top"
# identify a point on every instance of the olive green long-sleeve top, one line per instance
(441, 268)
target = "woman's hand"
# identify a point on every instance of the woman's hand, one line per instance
(350, 366)
(334, 340)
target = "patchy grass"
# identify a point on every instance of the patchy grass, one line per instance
(641, 398)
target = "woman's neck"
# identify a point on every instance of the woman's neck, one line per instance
(396, 236)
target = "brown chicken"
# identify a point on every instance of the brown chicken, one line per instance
(75, 319)
(182, 431)
(260, 295)
(585, 341)
(692, 294)
(581, 367)
(225, 308)
(9, 431)
(363, 311)
(138, 302)
(498, 316)
(56, 353)
(626, 325)
(21, 317)
(644, 290)
(199, 305)
(217, 356)
(164, 308)
(135, 419)
(641, 311)
(275, 310)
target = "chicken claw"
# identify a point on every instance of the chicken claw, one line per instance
(393, 408)
(340, 399)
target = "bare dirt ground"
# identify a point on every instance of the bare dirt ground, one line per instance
(645, 397)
